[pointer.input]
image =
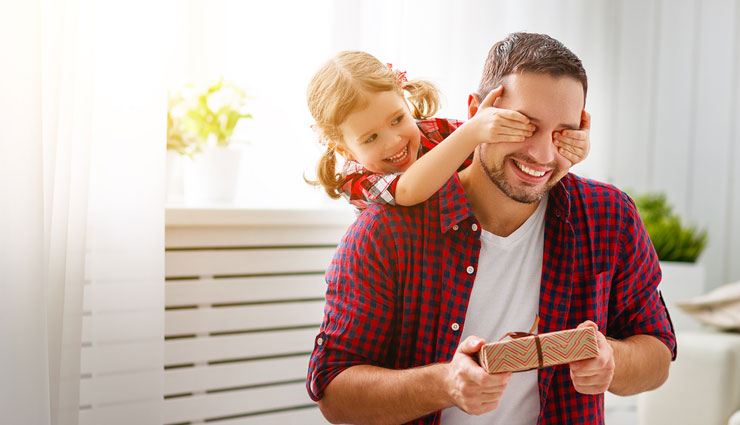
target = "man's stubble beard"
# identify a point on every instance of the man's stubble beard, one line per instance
(498, 177)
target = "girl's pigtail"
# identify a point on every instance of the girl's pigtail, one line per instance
(423, 97)
(327, 176)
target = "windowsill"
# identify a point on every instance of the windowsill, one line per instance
(178, 215)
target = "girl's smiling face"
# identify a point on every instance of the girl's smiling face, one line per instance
(383, 136)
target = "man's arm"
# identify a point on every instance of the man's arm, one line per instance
(642, 363)
(638, 354)
(367, 394)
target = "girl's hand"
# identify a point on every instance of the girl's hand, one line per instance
(574, 144)
(496, 125)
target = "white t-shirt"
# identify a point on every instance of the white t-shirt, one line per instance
(505, 298)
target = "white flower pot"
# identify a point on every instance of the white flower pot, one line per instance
(681, 281)
(211, 176)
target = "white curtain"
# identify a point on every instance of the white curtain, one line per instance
(82, 133)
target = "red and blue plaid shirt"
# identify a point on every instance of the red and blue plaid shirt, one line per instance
(362, 187)
(399, 284)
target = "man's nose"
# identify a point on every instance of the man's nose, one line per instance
(541, 148)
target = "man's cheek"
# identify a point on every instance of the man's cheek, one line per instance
(562, 162)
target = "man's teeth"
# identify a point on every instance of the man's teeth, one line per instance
(530, 171)
(399, 157)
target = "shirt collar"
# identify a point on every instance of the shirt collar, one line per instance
(559, 199)
(453, 204)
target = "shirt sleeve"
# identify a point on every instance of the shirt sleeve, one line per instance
(636, 305)
(364, 188)
(358, 315)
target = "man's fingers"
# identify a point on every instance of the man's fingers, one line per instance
(496, 382)
(588, 323)
(588, 367)
(491, 97)
(471, 345)
(585, 376)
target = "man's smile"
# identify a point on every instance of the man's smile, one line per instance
(531, 173)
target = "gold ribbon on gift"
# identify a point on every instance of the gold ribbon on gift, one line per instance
(532, 332)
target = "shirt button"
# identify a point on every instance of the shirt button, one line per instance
(470, 269)
(455, 227)
(455, 327)
(319, 341)
(475, 227)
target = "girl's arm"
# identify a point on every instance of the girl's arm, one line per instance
(427, 175)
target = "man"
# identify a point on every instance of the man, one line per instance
(415, 292)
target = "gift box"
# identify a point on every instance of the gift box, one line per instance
(538, 351)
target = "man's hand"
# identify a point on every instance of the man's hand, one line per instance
(496, 125)
(470, 387)
(593, 376)
(574, 144)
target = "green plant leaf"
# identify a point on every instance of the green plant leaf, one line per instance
(673, 240)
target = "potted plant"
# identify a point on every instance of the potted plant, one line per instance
(678, 246)
(200, 128)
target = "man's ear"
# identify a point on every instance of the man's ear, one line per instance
(473, 103)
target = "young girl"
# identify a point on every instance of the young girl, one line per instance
(362, 114)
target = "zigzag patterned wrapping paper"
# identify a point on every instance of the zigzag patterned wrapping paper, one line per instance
(521, 354)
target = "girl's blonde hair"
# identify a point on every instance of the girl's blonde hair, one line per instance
(340, 87)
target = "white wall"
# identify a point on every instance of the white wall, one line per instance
(676, 104)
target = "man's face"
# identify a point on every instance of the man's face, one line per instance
(525, 171)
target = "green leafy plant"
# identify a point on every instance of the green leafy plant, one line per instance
(672, 239)
(197, 118)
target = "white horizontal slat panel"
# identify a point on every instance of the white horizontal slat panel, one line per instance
(204, 237)
(120, 414)
(225, 347)
(108, 327)
(306, 416)
(119, 357)
(232, 290)
(120, 387)
(228, 403)
(231, 319)
(232, 375)
(246, 261)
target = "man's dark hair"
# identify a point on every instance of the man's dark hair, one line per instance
(525, 52)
